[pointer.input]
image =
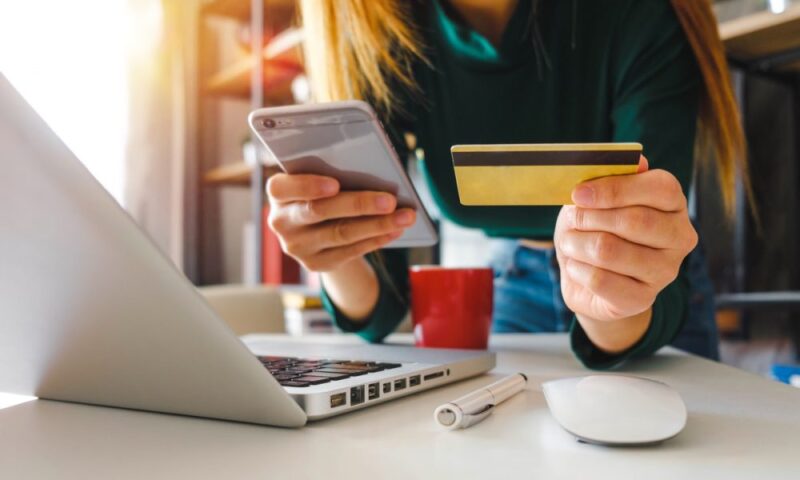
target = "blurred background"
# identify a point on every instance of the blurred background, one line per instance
(153, 95)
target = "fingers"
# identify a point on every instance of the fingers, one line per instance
(613, 254)
(322, 227)
(644, 165)
(293, 216)
(621, 295)
(642, 225)
(284, 188)
(342, 232)
(349, 231)
(622, 242)
(658, 189)
(343, 205)
(331, 258)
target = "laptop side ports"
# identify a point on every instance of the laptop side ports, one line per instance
(357, 395)
(373, 391)
(413, 381)
(433, 375)
(338, 399)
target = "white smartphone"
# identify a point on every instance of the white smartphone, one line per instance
(343, 140)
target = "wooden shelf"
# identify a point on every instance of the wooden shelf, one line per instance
(786, 300)
(791, 67)
(763, 35)
(235, 81)
(235, 174)
(281, 59)
(240, 9)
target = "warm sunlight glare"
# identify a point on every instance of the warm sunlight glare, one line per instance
(68, 58)
(9, 400)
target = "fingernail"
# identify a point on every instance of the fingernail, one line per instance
(329, 187)
(583, 195)
(384, 203)
(404, 218)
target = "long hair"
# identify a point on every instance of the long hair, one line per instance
(360, 48)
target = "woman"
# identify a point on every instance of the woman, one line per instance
(611, 269)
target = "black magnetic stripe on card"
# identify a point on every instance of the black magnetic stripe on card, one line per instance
(589, 157)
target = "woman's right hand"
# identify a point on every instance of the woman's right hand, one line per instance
(324, 228)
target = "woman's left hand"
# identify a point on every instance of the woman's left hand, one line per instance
(620, 244)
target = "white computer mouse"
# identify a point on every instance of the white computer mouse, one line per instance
(616, 409)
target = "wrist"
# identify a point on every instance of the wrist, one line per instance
(616, 336)
(355, 266)
(353, 288)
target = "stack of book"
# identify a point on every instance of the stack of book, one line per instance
(304, 314)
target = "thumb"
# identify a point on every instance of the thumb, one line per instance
(644, 165)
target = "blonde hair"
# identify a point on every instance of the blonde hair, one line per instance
(362, 48)
(355, 48)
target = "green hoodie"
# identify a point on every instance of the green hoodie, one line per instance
(564, 71)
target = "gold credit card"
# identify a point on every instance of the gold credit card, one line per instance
(536, 174)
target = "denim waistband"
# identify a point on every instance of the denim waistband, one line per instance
(509, 255)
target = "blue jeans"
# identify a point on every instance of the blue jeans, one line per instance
(527, 297)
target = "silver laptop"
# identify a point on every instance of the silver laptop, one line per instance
(92, 312)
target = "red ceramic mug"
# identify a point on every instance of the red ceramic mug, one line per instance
(451, 307)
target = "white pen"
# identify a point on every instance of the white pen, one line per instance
(474, 407)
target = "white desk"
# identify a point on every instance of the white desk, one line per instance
(740, 426)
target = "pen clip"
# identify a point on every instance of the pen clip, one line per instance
(477, 416)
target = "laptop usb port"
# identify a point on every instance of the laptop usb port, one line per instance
(413, 381)
(357, 395)
(399, 384)
(338, 400)
(373, 391)
(387, 387)
(433, 375)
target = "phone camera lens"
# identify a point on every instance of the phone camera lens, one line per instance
(268, 123)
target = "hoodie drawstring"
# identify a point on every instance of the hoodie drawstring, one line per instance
(574, 23)
(539, 49)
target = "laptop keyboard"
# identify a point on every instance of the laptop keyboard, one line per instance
(303, 372)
